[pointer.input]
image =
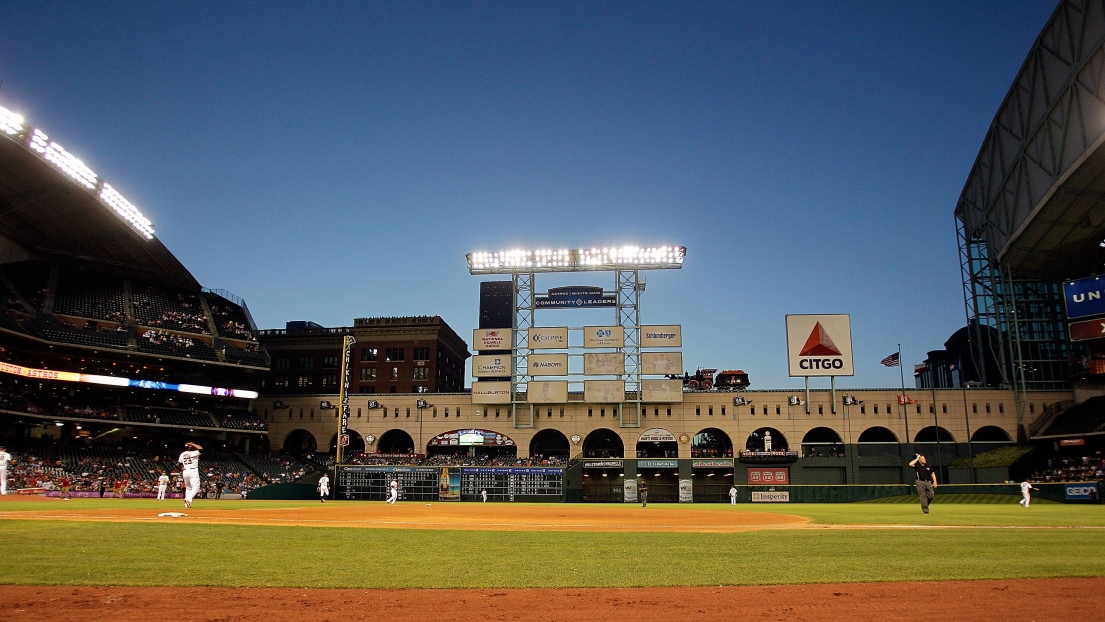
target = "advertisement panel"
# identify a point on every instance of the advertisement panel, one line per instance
(656, 435)
(548, 364)
(548, 338)
(662, 363)
(595, 364)
(490, 365)
(491, 339)
(449, 484)
(769, 475)
(603, 337)
(575, 297)
(1083, 297)
(630, 489)
(1080, 492)
(686, 491)
(548, 392)
(670, 391)
(604, 391)
(662, 336)
(1086, 330)
(771, 496)
(820, 345)
(491, 392)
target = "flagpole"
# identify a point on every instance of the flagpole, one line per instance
(902, 401)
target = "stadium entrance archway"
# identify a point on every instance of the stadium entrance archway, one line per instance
(757, 440)
(603, 443)
(356, 444)
(822, 442)
(395, 442)
(300, 442)
(711, 443)
(657, 443)
(550, 444)
(989, 437)
(878, 442)
(879, 457)
(711, 466)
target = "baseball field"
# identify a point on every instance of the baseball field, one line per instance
(982, 557)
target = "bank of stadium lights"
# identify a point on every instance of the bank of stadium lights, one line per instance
(626, 257)
(12, 125)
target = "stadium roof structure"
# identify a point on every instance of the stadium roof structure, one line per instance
(53, 207)
(1036, 193)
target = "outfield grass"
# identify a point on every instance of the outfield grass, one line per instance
(76, 553)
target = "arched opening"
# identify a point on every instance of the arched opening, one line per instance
(711, 443)
(395, 442)
(991, 434)
(933, 434)
(549, 447)
(603, 443)
(300, 442)
(936, 444)
(822, 442)
(471, 447)
(657, 443)
(356, 444)
(766, 439)
(878, 442)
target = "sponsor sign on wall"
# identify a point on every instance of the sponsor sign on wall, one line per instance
(666, 336)
(603, 391)
(1083, 297)
(548, 338)
(773, 475)
(712, 463)
(782, 496)
(491, 365)
(491, 339)
(657, 464)
(655, 391)
(596, 364)
(656, 435)
(1080, 492)
(1087, 329)
(820, 345)
(548, 364)
(686, 491)
(630, 490)
(547, 391)
(491, 392)
(662, 363)
(603, 337)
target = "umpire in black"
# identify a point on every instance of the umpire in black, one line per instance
(926, 481)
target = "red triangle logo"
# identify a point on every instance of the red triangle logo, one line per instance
(819, 343)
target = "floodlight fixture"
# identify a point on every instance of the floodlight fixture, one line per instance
(578, 260)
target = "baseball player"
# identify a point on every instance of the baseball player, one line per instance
(393, 496)
(65, 485)
(162, 486)
(5, 460)
(732, 495)
(190, 460)
(323, 487)
(1026, 488)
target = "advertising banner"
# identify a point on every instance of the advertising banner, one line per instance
(575, 297)
(612, 364)
(449, 488)
(548, 364)
(491, 339)
(603, 337)
(663, 336)
(656, 391)
(548, 338)
(1083, 298)
(630, 488)
(548, 392)
(712, 463)
(490, 365)
(1087, 329)
(771, 497)
(662, 363)
(1084, 491)
(656, 435)
(772, 475)
(820, 345)
(491, 392)
(603, 391)
(686, 491)
(657, 464)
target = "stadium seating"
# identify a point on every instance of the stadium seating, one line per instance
(239, 420)
(90, 296)
(170, 416)
(170, 310)
(1084, 418)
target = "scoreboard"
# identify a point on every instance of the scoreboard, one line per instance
(429, 483)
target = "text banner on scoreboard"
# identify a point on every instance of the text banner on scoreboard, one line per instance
(548, 364)
(548, 338)
(666, 363)
(491, 392)
(820, 345)
(655, 391)
(490, 365)
(1083, 298)
(547, 392)
(491, 339)
(603, 391)
(603, 337)
(1087, 330)
(773, 475)
(596, 364)
(665, 336)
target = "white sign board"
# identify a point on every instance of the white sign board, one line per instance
(491, 339)
(547, 392)
(604, 391)
(595, 364)
(548, 364)
(491, 365)
(548, 338)
(662, 391)
(666, 363)
(820, 345)
(603, 337)
(666, 336)
(491, 392)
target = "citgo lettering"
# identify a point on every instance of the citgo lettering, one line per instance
(821, 363)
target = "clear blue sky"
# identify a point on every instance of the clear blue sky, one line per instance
(327, 161)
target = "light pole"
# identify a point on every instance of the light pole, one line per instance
(421, 404)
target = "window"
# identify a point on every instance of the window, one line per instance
(281, 363)
(710, 411)
(368, 354)
(329, 380)
(368, 389)
(722, 411)
(987, 409)
(394, 373)
(421, 354)
(304, 381)
(280, 381)
(863, 410)
(697, 410)
(394, 354)
(778, 410)
(1001, 408)
(306, 362)
(421, 373)
(368, 373)
(330, 361)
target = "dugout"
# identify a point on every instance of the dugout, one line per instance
(603, 481)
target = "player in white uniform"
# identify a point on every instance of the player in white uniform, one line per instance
(393, 496)
(5, 460)
(1026, 488)
(190, 459)
(732, 495)
(162, 486)
(323, 487)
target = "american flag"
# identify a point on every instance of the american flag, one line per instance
(891, 361)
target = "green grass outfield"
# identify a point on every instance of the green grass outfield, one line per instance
(986, 540)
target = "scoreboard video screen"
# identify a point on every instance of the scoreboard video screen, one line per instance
(440, 483)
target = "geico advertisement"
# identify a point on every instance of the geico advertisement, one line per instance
(668, 336)
(491, 339)
(819, 345)
(548, 364)
(490, 366)
(548, 338)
